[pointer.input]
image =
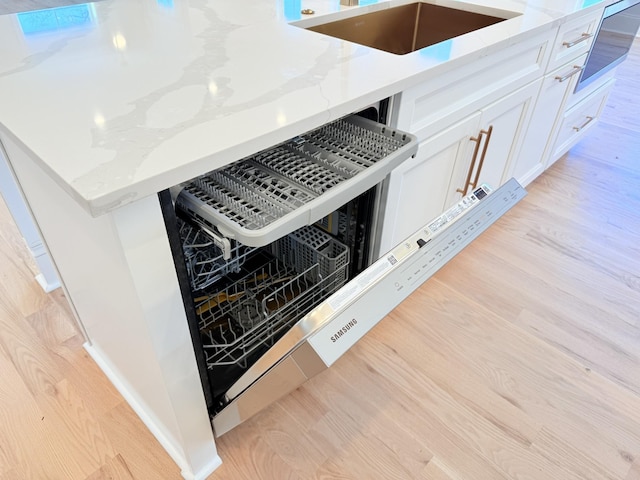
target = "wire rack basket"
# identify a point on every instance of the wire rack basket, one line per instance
(259, 192)
(274, 289)
(205, 260)
(312, 246)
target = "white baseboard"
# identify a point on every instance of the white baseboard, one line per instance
(47, 286)
(204, 471)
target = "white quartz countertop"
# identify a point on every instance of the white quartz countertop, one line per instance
(120, 99)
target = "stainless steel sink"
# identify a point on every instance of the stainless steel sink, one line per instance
(407, 28)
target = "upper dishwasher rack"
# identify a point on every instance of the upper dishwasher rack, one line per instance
(267, 195)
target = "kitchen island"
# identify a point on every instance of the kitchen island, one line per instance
(100, 116)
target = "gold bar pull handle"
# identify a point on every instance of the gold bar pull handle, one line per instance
(488, 133)
(478, 141)
(583, 38)
(589, 120)
(564, 78)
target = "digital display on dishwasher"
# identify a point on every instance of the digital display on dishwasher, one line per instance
(480, 194)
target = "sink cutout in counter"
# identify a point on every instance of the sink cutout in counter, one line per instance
(407, 28)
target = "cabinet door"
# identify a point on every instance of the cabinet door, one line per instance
(418, 189)
(503, 124)
(547, 115)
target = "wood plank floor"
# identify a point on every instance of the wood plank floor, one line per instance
(519, 360)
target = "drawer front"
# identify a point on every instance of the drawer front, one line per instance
(434, 105)
(578, 120)
(574, 39)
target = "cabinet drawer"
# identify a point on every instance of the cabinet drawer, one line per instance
(574, 39)
(579, 119)
(432, 106)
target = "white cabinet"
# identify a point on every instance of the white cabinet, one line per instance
(556, 88)
(430, 107)
(574, 39)
(579, 119)
(471, 123)
(418, 190)
(502, 128)
(448, 165)
(568, 56)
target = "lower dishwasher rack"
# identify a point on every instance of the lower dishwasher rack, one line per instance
(250, 306)
(263, 197)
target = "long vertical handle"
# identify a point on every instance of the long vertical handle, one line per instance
(488, 133)
(474, 158)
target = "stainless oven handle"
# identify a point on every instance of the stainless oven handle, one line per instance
(583, 38)
(563, 78)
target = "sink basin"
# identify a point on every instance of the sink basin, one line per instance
(406, 28)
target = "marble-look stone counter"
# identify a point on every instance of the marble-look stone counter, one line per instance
(119, 99)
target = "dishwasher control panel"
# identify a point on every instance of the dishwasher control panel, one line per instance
(366, 299)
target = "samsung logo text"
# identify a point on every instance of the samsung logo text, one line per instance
(343, 330)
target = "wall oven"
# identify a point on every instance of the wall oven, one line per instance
(617, 30)
(277, 262)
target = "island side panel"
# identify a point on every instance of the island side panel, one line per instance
(13, 197)
(121, 281)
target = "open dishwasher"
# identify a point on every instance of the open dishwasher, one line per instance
(275, 259)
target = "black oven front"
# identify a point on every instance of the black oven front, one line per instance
(615, 36)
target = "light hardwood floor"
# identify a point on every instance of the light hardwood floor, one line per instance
(519, 360)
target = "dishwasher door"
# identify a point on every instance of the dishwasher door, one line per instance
(334, 326)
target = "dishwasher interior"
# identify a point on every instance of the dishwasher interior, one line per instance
(245, 304)
(264, 240)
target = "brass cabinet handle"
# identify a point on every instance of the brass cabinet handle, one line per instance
(478, 141)
(589, 120)
(488, 133)
(563, 78)
(583, 38)
(474, 158)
